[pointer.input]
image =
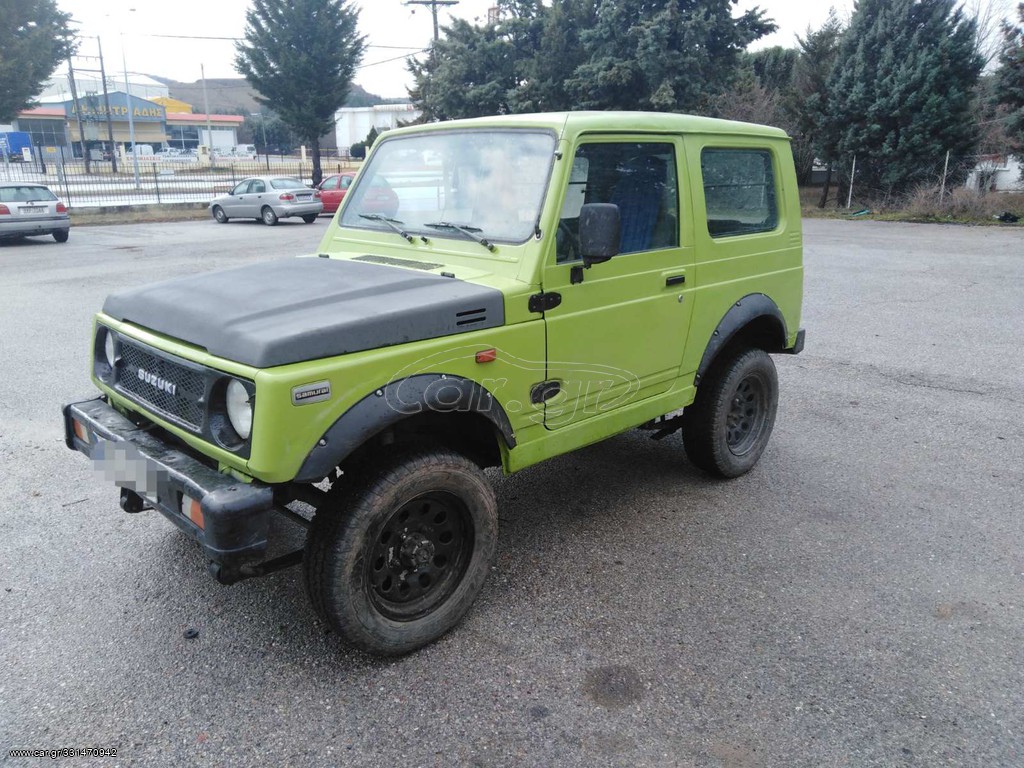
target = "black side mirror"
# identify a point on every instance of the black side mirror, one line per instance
(600, 231)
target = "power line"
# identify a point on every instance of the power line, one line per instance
(396, 58)
(236, 39)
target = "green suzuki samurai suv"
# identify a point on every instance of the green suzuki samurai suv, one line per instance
(492, 292)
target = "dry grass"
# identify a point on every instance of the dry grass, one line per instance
(959, 205)
(962, 205)
(138, 214)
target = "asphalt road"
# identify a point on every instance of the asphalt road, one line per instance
(856, 600)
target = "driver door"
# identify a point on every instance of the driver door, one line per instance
(618, 332)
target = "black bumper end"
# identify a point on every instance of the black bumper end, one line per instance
(798, 347)
(235, 516)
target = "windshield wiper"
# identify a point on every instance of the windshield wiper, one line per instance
(470, 232)
(393, 223)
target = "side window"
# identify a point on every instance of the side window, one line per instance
(739, 191)
(258, 186)
(346, 182)
(242, 188)
(640, 179)
(331, 183)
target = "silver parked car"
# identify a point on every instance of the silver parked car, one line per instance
(267, 199)
(27, 208)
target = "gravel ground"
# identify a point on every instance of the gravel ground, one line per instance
(856, 600)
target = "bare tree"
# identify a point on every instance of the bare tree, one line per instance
(989, 15)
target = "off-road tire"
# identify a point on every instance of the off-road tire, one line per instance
(309, 218)
(728, 426)
(359, 544)
(268, 217)
(219, 215)
(61, 235)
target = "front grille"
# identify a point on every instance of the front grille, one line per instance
(183, 404)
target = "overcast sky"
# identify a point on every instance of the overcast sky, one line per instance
(392, 29)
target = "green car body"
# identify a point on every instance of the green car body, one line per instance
(575, 349)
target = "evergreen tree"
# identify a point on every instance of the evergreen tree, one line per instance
(773, 67)
(1010, 78)
(34, 41)
(560, 51)
(300, 56)
(809, 99)
(481, 70)
(900, 93)
(666, 55)
(662, 55)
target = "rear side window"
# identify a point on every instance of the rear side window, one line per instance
(739, 191)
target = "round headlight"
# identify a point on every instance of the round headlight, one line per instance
(108, 347)
(239, 409)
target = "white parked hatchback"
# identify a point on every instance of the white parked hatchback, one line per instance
(28, 208)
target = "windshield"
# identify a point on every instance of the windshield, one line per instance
(489, 182)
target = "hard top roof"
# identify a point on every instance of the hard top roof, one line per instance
(571, 124)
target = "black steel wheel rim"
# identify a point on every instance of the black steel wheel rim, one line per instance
(418, 557)
(748, 411)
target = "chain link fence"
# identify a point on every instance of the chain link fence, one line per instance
(158, 180)
(964, 177)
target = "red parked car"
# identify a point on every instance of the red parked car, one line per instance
(380, 197)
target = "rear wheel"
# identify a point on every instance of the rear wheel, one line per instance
(728, 426)
(309, 218)
(61, 235)
(267, 216)
(403, 550)
(219, 215)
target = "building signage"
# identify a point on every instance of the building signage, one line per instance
(92, 107)
(101, 111)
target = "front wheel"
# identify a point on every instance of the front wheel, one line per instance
(219, 215)
(309, 218)
(268, 216)
(727, 427)
(403, 550)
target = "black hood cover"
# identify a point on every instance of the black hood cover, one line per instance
(282, 312)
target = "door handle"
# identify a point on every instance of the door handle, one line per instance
(675, 280)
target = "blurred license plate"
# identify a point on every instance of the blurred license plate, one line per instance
(123, 464)
(33, 210)
(303, 197)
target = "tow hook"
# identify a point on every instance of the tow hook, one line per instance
(132, 503)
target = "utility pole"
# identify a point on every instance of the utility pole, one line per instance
(433, 10)
(78, 113)
(131, 120)
(106, 104)
(206, 109)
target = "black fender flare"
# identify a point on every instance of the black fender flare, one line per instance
(740, 315)
(394, 402)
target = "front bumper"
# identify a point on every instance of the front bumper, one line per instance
(235, 519)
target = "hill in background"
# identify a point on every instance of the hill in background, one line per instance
(234, 96)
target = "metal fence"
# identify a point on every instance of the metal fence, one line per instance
(157, 180)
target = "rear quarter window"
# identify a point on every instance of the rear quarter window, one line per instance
(739, 191)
